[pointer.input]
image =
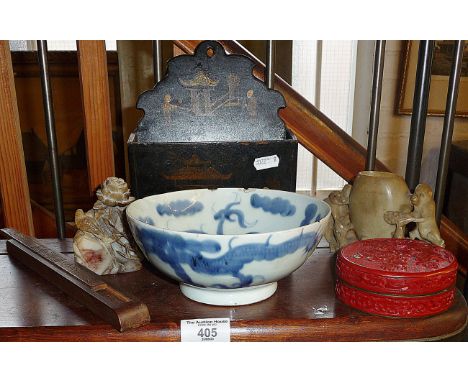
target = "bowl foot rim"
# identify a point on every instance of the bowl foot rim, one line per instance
(229, 297)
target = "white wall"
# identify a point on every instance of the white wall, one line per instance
(362, 90)
(333, 85)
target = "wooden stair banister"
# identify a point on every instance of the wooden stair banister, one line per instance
(323, 138)
(44, 222)
(313, 129)
(14, 190)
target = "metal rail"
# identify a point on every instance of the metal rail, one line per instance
(446, 140)
(270, 64)
(379, 60)
(318, 93)
(418, 118)
(51, 138)
(157, 61)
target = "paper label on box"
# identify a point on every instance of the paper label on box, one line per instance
(205, 330)
(266, 162)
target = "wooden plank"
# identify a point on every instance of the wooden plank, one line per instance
(14, 190)
(304, 308)
(177, 51)
(97, 112)
(455, 241)
(64, 246)
(122, 310)
(323, 138)
(44, 223)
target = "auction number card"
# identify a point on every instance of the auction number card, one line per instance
(205, 330)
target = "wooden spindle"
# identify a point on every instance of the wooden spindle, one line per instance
(14, 189)
(97, 111)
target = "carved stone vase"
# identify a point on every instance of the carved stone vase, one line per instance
(373, 194)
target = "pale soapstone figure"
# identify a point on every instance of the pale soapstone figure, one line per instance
(103, 243)
(423, 214)
(382, 191)
(340, 230)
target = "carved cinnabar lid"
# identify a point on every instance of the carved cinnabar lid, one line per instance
(397, 266)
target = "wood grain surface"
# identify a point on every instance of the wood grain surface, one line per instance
(122, 310)
(44, 222)
(327, 141)
(14, 191)
(304, 308)
(97, 112)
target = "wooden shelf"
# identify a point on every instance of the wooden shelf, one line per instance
(303, 309)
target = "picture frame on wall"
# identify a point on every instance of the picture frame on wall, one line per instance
(441, 66)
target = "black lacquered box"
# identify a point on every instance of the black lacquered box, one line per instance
(209, 123)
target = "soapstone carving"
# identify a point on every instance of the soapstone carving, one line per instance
(340, 230)
(424, 212)
(400, 219)
(103, 242)
(423, 215)
(374, 193)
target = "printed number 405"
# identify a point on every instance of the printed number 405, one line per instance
(207, 332)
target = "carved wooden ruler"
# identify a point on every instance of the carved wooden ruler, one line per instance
(120, 309)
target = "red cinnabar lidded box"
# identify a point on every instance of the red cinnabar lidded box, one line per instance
(396, 277)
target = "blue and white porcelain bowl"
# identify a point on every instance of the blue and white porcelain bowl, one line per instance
(228, 246)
